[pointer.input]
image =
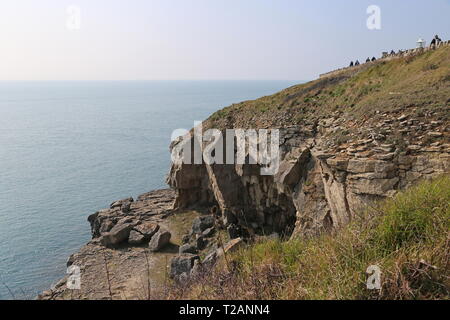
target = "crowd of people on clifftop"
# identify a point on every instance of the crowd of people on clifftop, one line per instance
(357, 63)
(436, 41)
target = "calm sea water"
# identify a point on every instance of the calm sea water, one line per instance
(68, 149)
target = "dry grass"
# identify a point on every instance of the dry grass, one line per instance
(385, 86)
(407, 237)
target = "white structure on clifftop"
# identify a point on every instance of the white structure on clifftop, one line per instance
(421, 43)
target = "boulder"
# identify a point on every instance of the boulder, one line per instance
(147, 229)
(117, 235)
(200, 224)
(182, 264)
(159, 240)
(136, 237)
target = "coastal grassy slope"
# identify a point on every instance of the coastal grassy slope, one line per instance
(407, 237)
(398, 85)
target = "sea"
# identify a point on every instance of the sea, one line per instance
(70, 148)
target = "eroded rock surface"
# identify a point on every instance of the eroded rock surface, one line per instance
(120, 270)
(322, 181)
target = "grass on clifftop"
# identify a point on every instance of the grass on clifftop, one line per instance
(407, 237)
(393, 86)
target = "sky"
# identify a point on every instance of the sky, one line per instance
(204, 39)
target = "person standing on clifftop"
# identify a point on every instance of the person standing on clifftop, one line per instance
(357, 63)
(436, 40)
(351, 64)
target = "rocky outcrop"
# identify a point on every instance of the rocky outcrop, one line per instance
(131, 222)
(358, 138)
(130, 250)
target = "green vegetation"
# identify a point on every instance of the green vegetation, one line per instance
(408, 237)
(386, 86)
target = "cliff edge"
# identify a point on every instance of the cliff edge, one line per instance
(347, 139)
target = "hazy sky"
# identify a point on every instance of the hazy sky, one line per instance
(204, 39)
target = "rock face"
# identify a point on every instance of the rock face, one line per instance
(322, 182)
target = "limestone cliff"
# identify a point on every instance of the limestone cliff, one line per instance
(353, 136)
(349, 138)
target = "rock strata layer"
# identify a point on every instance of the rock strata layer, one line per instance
(322, 181)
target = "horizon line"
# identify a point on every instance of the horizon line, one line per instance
(146, 80)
